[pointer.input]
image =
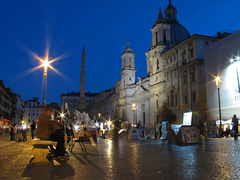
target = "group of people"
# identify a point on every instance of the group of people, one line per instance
(17, 134)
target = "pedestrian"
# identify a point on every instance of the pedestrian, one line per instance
(33, 127)
(139, 125)
(12, 132)
(235, 125)
(160, 131)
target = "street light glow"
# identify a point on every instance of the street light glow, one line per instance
(218, 79)
(61, 115)
(134, 106)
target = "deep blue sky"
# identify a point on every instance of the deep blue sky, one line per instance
(103, 27)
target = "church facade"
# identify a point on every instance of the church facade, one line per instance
(175, 81)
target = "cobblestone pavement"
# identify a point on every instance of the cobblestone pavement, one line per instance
(122, 159)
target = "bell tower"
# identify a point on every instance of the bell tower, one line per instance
(128, 66)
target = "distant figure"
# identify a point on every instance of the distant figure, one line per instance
(12, 133)
(33, 127)
(227, 132)
(139, 125)
(235, 125)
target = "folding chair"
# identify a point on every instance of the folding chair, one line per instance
(78, 138)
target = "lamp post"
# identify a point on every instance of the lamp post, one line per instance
(219, 103)
(134, 108)
(45, 64)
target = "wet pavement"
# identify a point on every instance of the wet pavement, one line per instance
(122, 159)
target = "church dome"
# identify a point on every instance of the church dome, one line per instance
(178, 32)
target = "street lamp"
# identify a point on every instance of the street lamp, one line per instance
(62, 116)
(45, 64)
(134, 108)
(218, 80)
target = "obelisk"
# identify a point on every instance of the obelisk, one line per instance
(82, 100)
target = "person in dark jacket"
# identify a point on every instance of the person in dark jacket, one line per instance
(33, 127)
(58, 135)
(235, 125)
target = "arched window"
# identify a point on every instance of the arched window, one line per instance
(172, 98)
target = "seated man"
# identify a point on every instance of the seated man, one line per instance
(58, 135)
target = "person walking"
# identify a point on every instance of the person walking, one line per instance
(235, 125)
(33, 127)
(12, 133)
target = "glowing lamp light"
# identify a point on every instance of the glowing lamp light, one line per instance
(109, 124)
(99, 115)
(134, 106)
(217, 81)
(237, 58)
(46, 63)
(61, 115)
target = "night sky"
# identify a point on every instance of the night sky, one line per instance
(103, 27)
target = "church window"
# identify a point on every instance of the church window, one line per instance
(156, 104)
(176, 102)
(193, 97)
(184, 61)
(157, 64)
(191, 53)
(172, 98)
(143, 118)
(130, 78)
(185, 81)
(130, 62)
(156, 34)
(168, 101)
(157, 119)
(186, 98)
(192, 74)
(164, 36)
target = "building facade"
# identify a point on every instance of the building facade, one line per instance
(175, 81)
(7, 105)
(222, 60)
(72, 100)
(33, 110)
(19, 110)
